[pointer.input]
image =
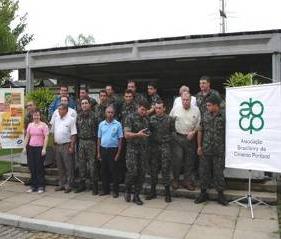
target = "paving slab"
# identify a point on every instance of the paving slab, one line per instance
(215, 208)
(167, 229)
(156, 203)
(48, 201)
(219, 221)
(57, 214)
(177, 216)
(74, 204)
(91, 219)
(108, 208)
(28, 210)
(141, 212)
(128, 224)
(6, 206)
(258, 225)
(260, 212)
(238, 234)
(203, 232)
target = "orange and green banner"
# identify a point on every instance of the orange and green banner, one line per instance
(11, 118)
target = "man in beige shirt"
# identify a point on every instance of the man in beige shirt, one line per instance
(187, 123)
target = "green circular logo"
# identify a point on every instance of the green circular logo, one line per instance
(251, 116)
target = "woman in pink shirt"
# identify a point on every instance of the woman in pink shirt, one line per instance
(37, 139)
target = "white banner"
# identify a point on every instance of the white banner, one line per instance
(253, 127)
(11, 117)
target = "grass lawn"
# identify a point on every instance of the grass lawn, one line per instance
(8, 151)
(4, 167)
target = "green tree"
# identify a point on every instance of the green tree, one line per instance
(42, 97)
(240, 79)
(79, 41)
(12, 31)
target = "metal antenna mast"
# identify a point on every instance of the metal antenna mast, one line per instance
(223, 16)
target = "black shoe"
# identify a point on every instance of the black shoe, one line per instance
(221, 199)
(67, 190)
(115, 194)
(203, 197)
(80, 188)
(152, 193)
(137, 199)
(167, 194)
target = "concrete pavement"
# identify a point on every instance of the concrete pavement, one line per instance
(179, 219)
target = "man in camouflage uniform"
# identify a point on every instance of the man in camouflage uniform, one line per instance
(133, 87)
(84, 94)
(128, 107)
(113, 99)
(152, 98)
(136, 133)
(162, 128)
(86, 132)
(101, 107)
(206, 91)
(211, 142)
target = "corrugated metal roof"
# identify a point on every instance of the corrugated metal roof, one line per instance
(152, 40)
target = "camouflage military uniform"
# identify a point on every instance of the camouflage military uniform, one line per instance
(153, 99)
(116, 102)
(100, 112)
(201, 100)
(126, 110)
(92, 102)
(212, 162)
(86, 132)
(136, 151)
(162, 129)
(138, 98)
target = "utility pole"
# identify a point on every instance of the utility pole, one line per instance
(223, 16)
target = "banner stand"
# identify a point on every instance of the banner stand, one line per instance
(12, 177)
(249, 198)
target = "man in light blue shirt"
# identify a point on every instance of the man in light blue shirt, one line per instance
(110, 136)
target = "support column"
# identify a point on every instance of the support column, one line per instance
(276, 67)
(28, 74)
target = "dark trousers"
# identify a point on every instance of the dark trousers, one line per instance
(211, 170)
(36, 166)
(183, 150)
(109, 169)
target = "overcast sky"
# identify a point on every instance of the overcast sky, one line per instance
(122, 20)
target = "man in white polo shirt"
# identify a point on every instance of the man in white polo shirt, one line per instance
(64, 130)
(187, 123)
(71, 112)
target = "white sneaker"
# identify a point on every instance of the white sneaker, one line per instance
(40, 191)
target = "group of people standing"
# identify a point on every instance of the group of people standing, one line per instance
(124, 139)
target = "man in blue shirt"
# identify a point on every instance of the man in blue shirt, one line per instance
(57, 101)
(110, 136)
